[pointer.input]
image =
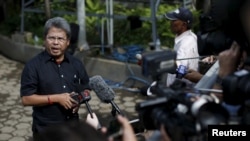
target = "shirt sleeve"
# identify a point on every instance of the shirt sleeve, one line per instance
(29, 80)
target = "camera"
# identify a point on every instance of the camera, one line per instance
(156, 63)
(236, 87)
(186, 112)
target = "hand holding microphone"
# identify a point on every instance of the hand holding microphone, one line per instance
(93, 121)
(139, 58)
(83, 97)
(193, 76)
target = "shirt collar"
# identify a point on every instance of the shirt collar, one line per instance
(47, 57)
(178, 38)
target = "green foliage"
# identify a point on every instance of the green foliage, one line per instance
(123, 34)
(34, 25)
(143, 35)
(93, 23)
(10, 25)
(163, 25)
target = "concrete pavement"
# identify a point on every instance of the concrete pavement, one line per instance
(15, 119)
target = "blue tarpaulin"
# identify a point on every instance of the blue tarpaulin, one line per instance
(129, 55)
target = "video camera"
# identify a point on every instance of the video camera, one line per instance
(156, 63)
(162, 62)
(184, 114)
(236, 87)
(184, 111)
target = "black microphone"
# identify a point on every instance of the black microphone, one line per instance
(103, 91)
(83, 97)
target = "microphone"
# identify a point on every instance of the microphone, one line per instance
(138, 56)
(83, 97)
(103, 91)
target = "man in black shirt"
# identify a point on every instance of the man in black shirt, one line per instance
(49, 79)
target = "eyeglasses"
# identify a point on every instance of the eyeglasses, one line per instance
(59, 39)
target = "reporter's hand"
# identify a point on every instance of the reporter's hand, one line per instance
(164, 134)
(229, 60)
(128, 132)
(94, 122)
(210, 60)
(193, 76)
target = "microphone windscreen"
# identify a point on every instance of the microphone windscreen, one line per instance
(103, 91)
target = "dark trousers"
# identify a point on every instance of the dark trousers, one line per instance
(36, 133)
(36, 137)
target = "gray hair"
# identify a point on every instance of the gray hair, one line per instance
(57, 22)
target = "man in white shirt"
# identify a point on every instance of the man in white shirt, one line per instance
(185, 40)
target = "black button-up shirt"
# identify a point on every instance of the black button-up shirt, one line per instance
(42, 75)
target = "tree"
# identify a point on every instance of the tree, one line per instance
(82, 42)
(47, 9)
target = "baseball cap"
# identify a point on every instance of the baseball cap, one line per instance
(182, 14)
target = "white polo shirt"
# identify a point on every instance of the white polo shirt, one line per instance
(185, 47)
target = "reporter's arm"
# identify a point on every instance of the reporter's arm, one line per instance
(193, 76)
(127, 130)
(229, 61)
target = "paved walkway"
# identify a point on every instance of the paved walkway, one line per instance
(15, 120)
